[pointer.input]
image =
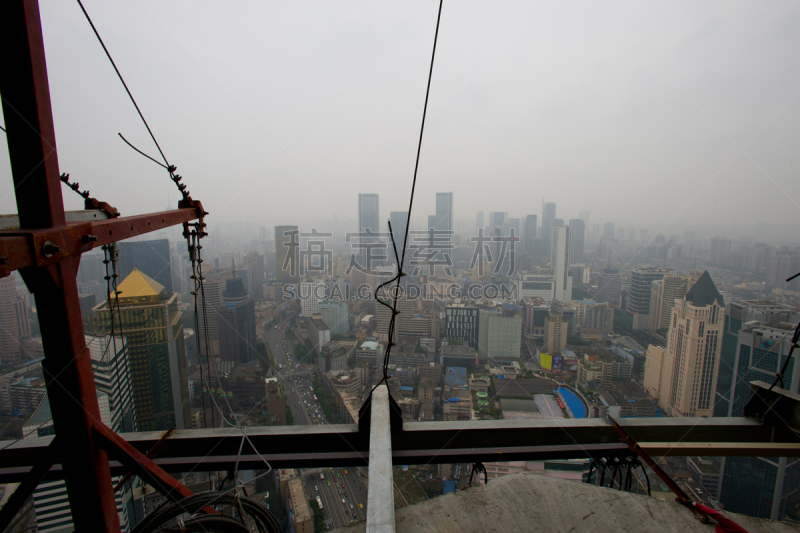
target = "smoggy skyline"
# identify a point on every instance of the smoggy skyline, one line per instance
(657, 115)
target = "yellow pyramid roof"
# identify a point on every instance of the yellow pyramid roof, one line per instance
(138, 285)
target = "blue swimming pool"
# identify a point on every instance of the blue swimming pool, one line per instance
(573, 402)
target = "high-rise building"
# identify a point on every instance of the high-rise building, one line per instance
(150, 257)
(287, 254)
(609, 289)
(461, 324)
(756, 341)
(335, 315)
(208, 326)
(560, 259)
(431, 222)
(444, 211)
(256, 274)
(529, 234)
(638, 303)
(479, 222)
(237, 324)
(784, 264)
(683, 376)
(555, 334)
(398, 219)
(577, 232)
(500, 333)
(608, 230)
(310, 293)
(150, 321)
(369, 225)
(110, 367)
(663, 294)
(548, 215)
(14, 323)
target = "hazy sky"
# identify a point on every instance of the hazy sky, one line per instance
(643, 113)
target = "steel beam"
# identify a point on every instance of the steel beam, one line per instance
(380, 493)
(25, 248)
(433, 443)
(37, 186)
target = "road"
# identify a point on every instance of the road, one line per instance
(296, 381)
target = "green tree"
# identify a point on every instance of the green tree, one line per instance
(289, 417)
(319, 516)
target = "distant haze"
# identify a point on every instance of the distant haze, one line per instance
(647, 114)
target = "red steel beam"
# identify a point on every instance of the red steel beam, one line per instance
(67, 366)
(50, 273)
(146, 469)
(25, 248)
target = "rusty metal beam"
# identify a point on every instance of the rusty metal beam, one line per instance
(433, 443)
(142, 465)
(37, 185)
(26, 248)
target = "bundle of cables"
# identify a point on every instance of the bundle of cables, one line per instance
(169, 518)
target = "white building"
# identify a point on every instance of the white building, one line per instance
(559, 260)
(310, 293)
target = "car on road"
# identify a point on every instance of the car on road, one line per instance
(343, 502)
(360, 505)
(342, 485)
(316, 488)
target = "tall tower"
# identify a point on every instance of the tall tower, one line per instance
(444, 211)
(151, 323)
(150, 257)
(608, 230)
(560, 258)
(369, 222)
(757, 339)
(14, 324)
(577, 230)
(287, 254)
(639, 296)
(399, 219)
(237, 323)
(683, 377)
(530, 234)
(548, 215)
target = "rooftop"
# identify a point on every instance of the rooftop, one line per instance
(504, 504)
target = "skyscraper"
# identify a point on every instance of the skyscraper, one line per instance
(369, 225)
(577, 231)
(560, 259)
(444, 211)
(639, 296)
(756, 341)
(683, 377)
(150, 257)
(609, 289)
(287, 254)
(529, 234)
(608, 230)
(399, 219)
(151, 323)
(110, 368)
(548, 214)
(237, 323)
(14, 324)
(256, 274)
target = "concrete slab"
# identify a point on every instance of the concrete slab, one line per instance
(531, 502)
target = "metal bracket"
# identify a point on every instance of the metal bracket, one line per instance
(773, 406)
(395, 415)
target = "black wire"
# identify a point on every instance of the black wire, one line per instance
(2, 128)
(157, 162)
(401, 262)
(192, 256)
(779, 377)
(119, 75)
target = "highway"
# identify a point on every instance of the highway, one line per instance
(296, 381)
